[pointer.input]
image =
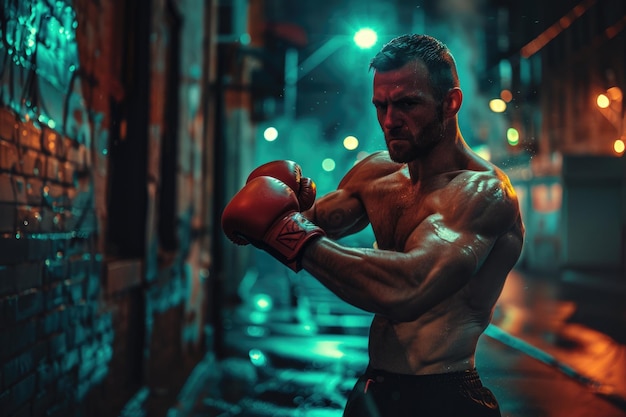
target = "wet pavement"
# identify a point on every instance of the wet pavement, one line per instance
(302, 360)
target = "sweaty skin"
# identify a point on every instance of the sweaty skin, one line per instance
(447, 227)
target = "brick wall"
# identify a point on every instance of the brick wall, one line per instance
(55, 338)
(83, 328)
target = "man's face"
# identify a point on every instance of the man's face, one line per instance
(407, 111)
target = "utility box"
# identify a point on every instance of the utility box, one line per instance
(593, 237)
(593, 214)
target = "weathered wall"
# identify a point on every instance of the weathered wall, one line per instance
(104, 209)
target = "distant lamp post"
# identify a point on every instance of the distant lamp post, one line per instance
(294, 70)
(365, 38)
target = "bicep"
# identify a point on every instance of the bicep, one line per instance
(446, 256)
(456, 242)
(339, 213)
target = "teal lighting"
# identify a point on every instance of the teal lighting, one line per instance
(263, 302)
(329, 349)
(257, 357)
(365, 38)
(328, 165)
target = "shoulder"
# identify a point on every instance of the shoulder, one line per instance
(373, 166)
(483, 199)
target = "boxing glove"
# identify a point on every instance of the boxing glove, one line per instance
(290, 173)
(265, 214)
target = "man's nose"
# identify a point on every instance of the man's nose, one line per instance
(391, 120)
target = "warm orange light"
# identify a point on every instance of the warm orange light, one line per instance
(614, 93)
(506, 95)
(619, 146)
(603, 101)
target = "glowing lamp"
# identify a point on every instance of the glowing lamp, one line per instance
(365, 38)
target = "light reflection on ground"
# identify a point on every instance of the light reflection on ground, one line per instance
(532, 311)
(303, 361)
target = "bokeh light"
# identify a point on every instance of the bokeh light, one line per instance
(257, 357)
(603, 101)
(262, 302)
(270, 134)
(350, 143)
(497, 105)
(512, 136)
(614, 93)
(328, 164)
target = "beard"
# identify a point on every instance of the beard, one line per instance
(418, 146)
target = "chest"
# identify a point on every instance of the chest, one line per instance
(395, 209)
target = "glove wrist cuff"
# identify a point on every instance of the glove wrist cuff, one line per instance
(289, 235)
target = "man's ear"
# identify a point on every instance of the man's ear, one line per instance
(452, 102)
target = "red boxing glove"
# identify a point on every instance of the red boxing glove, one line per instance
(265, 213)
(291, 174)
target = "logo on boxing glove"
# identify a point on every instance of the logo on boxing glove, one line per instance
(292, 233)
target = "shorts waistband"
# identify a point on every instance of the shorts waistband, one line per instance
(468, 378)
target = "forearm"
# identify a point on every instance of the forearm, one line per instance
(338, 222)
(371, 279)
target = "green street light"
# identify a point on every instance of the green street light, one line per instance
(294, 70)
(365, 38)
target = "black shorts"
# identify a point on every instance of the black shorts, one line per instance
(386, 394)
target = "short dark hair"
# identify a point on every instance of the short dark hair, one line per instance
(429, 50)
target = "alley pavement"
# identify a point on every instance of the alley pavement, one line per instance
(294, 349)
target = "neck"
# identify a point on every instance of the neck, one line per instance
(450, 154)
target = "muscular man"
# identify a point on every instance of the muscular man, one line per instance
(448, 231)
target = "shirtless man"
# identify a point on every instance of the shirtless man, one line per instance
(448, 231)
